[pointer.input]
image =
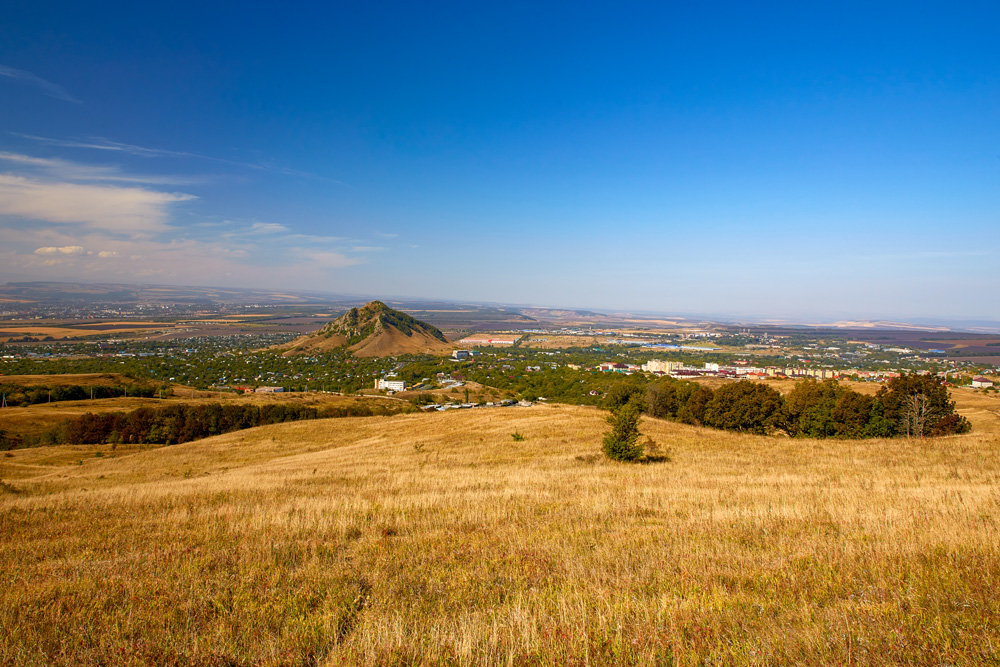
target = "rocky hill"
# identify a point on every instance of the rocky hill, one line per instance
(374, 330)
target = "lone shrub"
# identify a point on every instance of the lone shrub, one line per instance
(621, 443)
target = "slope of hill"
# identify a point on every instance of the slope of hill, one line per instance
(440, 539)
(374, 330)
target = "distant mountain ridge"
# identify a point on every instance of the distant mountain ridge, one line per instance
(374, 330)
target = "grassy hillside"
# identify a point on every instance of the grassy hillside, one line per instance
(429, 538)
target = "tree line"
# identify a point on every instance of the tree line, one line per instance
(20, 395)
(179, 423)
(911, 405)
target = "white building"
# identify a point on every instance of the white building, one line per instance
(474, 342)
(982, 383)
(391, 385)
(657, 366)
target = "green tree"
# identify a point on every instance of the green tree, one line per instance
(879, 426)
(809, 408)
(621, 443)
(665, 397)
(827, 409)
(745, 406)
(852, 414)
(920, 405)
(693, 409)
(622, 393)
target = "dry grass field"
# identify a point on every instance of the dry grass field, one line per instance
(11, 330)
(438, 538)
(477, 393)
(63, 329)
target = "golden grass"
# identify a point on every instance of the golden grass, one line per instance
(431, 538)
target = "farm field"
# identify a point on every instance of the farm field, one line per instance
(548, 341)
(8, 332)
(89, 329)
(430, 538)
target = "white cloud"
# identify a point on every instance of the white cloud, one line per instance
(113, 208)
(73, 171)
(315, 239)
(80, 253)
(65, 220)
(268, 228)
(47, 87)
(330, 259)
(101, 144)
(61, 250)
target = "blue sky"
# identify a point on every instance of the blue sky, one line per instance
(764, 159)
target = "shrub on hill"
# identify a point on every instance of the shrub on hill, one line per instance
(621, 443)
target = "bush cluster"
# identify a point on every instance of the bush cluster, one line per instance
(916, 405)
(182, 423)
(18, 395)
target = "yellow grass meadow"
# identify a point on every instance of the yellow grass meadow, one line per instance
(439, 538)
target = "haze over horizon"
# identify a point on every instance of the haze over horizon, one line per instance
(769, 160)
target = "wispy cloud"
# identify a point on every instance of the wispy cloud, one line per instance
(268, 228)
(328, 258)
(47, 87)
(66, 218)
(67, 170)
(102, 144)
(66, 252)
(130, 210)
(316, 239)
(52, 190)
